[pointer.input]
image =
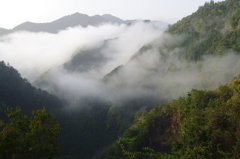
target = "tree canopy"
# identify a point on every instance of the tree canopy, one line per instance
(25, 137)
(205, 124)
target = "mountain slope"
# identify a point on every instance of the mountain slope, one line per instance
(214, 29)
(16, 91)
(205, 124)
(113, 19)
(80, 127)
(196, 47)
(3, 31)
(200, 51)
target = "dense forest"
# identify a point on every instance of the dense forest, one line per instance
(204, 124)
(216, 23)
(177, 97)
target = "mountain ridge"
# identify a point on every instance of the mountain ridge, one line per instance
(76, 19)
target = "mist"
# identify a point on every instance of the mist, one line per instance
(152, 71)
(32, 54)
(161, 72)
(148, 67)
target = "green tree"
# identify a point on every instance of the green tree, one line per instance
(25, 137)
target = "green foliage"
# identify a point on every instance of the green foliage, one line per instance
(209, 128)
(27, 137)
(213, 30)
(205, 124)
(143, 134)
(148, 153)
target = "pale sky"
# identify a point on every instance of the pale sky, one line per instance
(15, 12)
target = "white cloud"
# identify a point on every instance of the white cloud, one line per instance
(34, 53)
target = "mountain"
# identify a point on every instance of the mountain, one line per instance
(213, 29)
(201, 51)
(113, 19)
(3, 31)
(196, 46)
(16, 91)
(76, 19)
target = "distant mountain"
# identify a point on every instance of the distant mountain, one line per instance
(3, 31)
(62, 23)
(113, 19)
(76, 19)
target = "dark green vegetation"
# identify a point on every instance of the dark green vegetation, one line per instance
(16, 91)
(213, 30)
(27, 137)
(92, 124)
(77, 126)
(205, 124)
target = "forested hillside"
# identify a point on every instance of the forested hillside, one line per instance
(83, 125)
(35, 133)
(16, 91)
(204, 124)
(200, 51)
(197, 47)
(214, 29)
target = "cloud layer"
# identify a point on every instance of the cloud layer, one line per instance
(154, 71)
(34, 53)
